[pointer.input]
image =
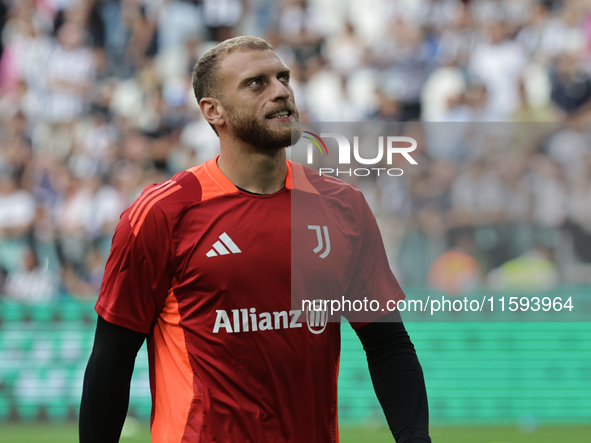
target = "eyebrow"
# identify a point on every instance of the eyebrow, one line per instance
(284, 71)
(244, 82)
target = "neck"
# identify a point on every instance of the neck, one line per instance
(258, 172)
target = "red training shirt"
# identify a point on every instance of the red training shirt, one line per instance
(208, 271)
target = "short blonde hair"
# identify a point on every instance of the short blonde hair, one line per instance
(205, 78)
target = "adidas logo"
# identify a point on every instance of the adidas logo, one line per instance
(219, 247)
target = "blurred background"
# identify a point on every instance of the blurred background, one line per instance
(96, 103)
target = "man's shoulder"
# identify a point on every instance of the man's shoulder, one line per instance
(161, 203)
(310, 180)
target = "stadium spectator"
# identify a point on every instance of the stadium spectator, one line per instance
(533, 271)
(408, 70)
(221, 17)
(571, 85)
(532, 109)
(345, 52)
(547, 187)
(456, 271)
(299, 26)
(498, 63)
(569, 147)
(70, 71)
(27, 48)
(135, 40)
(17, 214)
(31, 283)
(543, 35)
(476, 196)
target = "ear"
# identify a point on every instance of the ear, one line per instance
(212, 111)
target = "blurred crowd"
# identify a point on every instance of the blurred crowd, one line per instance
(96, 102)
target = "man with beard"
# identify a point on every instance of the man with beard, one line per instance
(204, 267)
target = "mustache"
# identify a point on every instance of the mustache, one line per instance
(289, 107)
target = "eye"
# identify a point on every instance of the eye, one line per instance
(284, 77)
(255, 83)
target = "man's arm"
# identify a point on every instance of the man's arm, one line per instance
(105, 395)
(397, 378)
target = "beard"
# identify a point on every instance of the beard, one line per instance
(257, 131)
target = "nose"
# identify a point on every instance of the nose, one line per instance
(280, 90)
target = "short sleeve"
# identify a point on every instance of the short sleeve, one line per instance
(137, 275)
(372, 279)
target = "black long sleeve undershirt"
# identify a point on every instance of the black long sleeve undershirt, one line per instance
(394, 368)
(105, 394)
(397, 378)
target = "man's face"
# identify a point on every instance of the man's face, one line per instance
(258, 102)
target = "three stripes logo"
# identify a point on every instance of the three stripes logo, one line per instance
(224, 246)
